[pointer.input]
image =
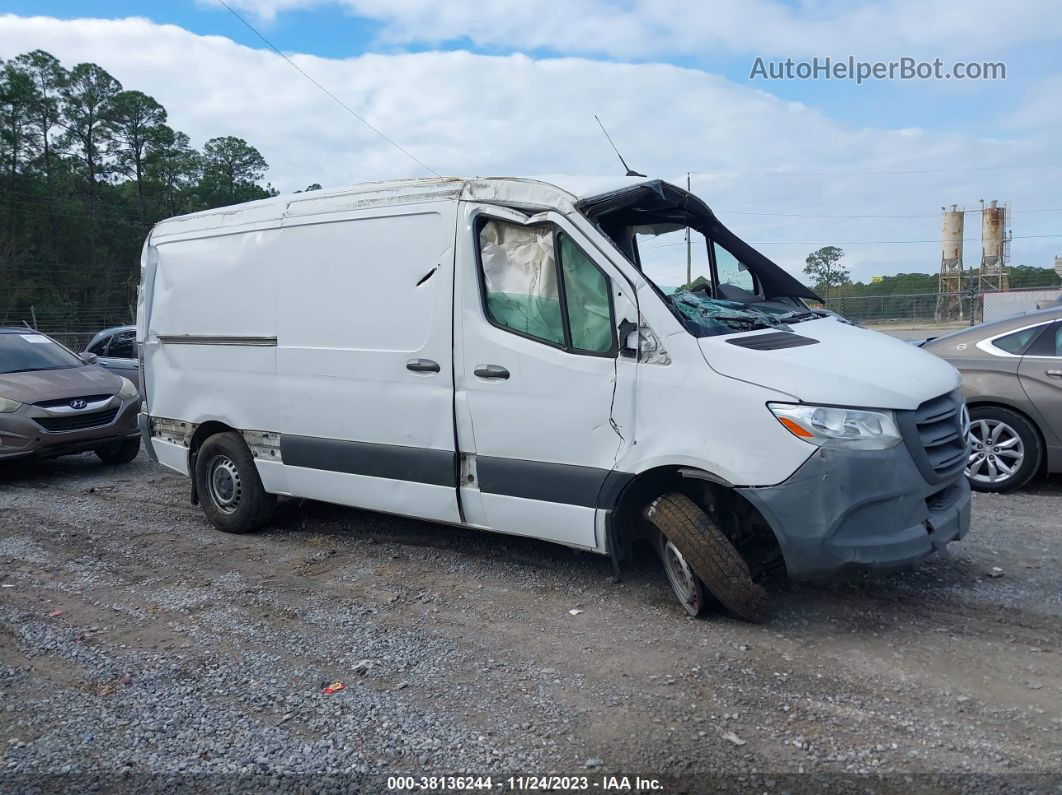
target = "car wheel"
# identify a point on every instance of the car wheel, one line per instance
(119, 452)
(229, 487)
(687, 586)
(1005, 449)
(700, 549)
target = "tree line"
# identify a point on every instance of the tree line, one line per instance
(833, 280)
(86, 168)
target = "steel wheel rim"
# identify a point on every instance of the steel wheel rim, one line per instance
(683, 581)
(996, 452)
(223, 480)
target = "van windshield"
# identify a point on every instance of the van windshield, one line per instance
(24, 353)
(712, 281)
(705, 316)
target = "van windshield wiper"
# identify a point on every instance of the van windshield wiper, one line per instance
(797, 317)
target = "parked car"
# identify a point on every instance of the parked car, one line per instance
(53, 402)
(1012, 378)
(115, 349)
(492, 353)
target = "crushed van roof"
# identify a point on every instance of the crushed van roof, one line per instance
(561, 192)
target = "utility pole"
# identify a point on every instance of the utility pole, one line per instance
(689, 253)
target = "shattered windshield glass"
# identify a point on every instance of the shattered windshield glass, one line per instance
(710, 317)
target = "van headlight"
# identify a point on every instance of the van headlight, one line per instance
(128, 389)
(828, 426)
(7, 405)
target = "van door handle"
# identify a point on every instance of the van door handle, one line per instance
(422, 366)
(1053, 373)
(491, 371)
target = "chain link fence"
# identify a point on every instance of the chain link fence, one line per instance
(939, 311)
(74, 329)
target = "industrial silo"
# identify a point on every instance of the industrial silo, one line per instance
(949, 302)
(994, 241)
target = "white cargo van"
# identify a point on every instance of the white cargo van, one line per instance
(495, 353)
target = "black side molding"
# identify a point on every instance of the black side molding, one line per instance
(416, 464)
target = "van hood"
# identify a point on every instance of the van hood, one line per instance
(70, 382)
(846, 366)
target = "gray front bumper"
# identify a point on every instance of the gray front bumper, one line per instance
(859, 511)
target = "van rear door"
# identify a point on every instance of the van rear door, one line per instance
(544, 404)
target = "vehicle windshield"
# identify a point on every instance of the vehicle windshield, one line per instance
(23, 353)
(682, 273)
(714, 282)
(705, 316)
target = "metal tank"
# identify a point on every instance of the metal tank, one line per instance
(994, 241)
(949, 302)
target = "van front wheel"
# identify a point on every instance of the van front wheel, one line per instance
(228, 485)
(701, 549)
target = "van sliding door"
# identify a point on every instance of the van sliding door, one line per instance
(364, 360)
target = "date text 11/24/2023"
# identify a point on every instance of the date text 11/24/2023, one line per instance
(530, 783)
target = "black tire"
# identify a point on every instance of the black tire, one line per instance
(710, 554)
(1032, 446)
(250, 506)
(119, 452)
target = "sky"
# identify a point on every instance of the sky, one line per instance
(501, 87)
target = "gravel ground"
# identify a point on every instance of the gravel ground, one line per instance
(137, 641)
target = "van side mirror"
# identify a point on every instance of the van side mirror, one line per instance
(628, 334)
(641, 344)
(88, 358)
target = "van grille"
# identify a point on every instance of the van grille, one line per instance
(935, 436)
(77, 422)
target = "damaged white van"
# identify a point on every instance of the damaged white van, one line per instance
(497, 353)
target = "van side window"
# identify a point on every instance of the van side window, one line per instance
(586, 296)
(525, 293)
(520, 272)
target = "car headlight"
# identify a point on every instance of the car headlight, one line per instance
(827, 426)
(128, 389)
(7, 405)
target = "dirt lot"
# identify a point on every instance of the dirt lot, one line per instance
(135, 639)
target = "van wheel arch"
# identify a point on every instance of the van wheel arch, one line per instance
(739, 519)
(202, 432)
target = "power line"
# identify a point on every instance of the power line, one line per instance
(873, 173)
(336, 99)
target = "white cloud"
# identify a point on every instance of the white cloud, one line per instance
(667, 28)
(473, 114)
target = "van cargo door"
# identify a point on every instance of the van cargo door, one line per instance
(364, 359)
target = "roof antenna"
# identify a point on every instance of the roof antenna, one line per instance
(630, 171)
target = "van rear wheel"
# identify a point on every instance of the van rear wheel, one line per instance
(229, 487)
(703, 550)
